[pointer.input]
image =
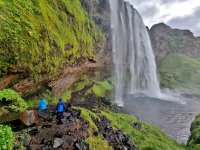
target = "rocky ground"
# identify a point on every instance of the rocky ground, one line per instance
(70, 132)
(43, 130)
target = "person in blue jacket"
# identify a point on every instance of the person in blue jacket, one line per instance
(42, 105)
(60, 108)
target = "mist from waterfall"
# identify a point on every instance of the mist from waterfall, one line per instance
(134, 61)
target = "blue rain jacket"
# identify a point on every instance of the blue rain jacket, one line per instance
(60, 106)
(42, 104)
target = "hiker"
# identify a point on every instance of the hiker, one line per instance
(60, 108)
(42, 105)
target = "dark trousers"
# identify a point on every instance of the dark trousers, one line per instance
(60, 115)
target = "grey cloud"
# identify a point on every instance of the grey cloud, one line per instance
(149, 11)
(188, 22)
(137, 2)
(170, 1)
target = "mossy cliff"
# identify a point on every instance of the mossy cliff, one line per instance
(40, 37)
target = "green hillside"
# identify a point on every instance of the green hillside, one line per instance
(180, 71)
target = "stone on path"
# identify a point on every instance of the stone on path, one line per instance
(29, 117)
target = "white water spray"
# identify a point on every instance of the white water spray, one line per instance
(133, 57)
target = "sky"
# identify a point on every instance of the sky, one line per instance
(181, 14)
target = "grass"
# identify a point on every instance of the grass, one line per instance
(88, 116)
(180, 71)
(97, 143)
(147, 138)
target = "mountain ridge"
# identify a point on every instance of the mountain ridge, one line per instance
(166, 40)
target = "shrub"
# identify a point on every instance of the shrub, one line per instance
(10, 101)
(6, 138)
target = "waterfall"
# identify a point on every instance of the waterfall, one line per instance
(133, 57)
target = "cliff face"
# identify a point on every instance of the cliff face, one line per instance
(165, 40)
(99, 11)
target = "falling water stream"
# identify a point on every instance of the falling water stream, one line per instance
(137, 85)
(133, 57)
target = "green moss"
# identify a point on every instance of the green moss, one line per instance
(97, 143)
(147, 138)
(42, 36)
(32, 103)
(88, 116)
(66, 95)
(100, 89)
(12, 102)
(6, 138)
(82, 84)
(180, 71)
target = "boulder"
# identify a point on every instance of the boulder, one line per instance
(29, 117)
(65, 114)
(79, 145)
(57, 142)
(138, 125)
(25, 140)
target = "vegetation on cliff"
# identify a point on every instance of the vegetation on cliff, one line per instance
(180, 71)
(40, 37)
(194, 139)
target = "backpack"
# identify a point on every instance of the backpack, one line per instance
(60, 107)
